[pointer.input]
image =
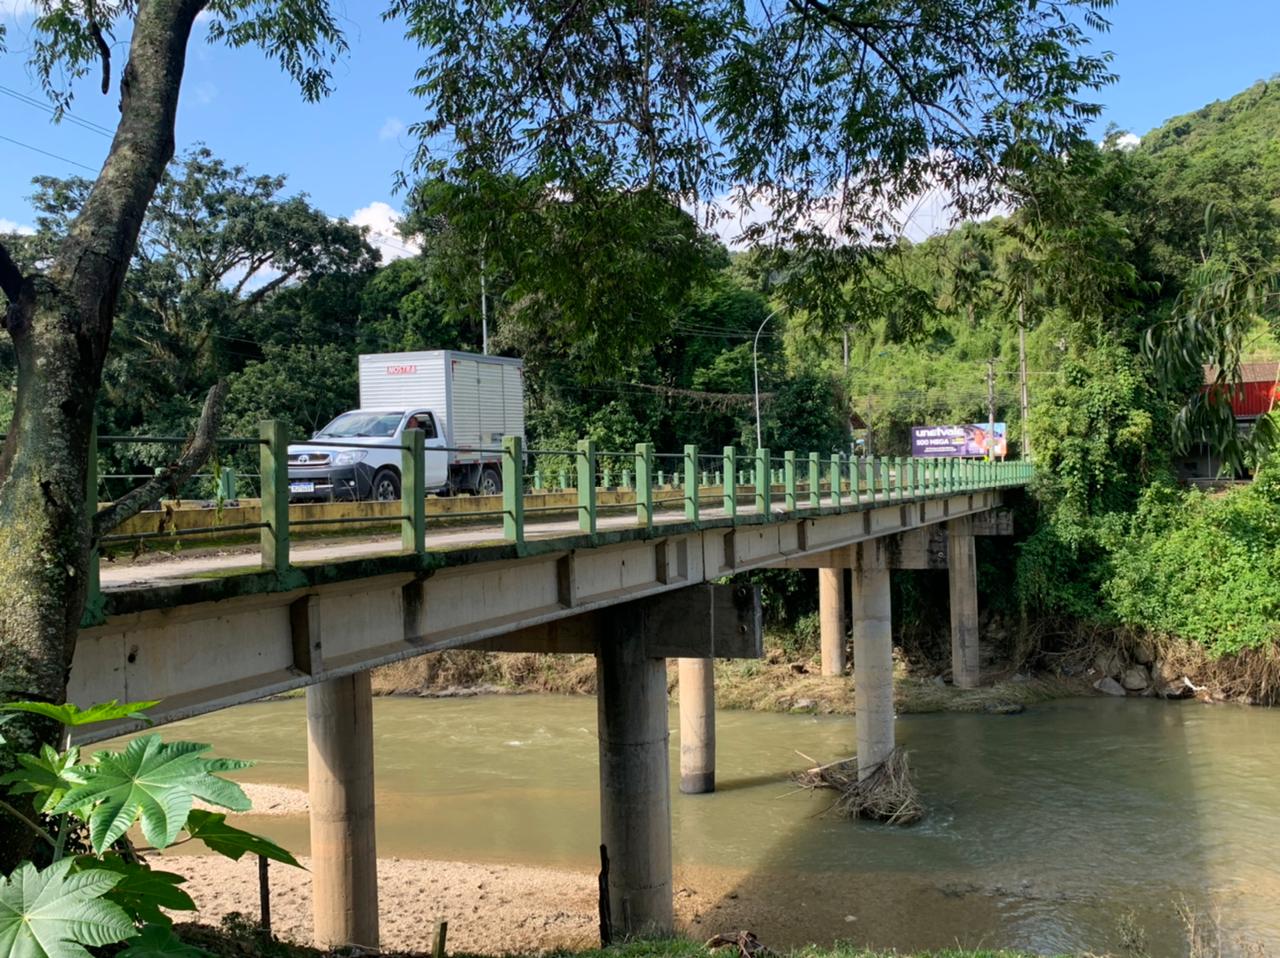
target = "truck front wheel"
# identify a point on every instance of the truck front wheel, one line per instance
(490, 482)
(386, 485)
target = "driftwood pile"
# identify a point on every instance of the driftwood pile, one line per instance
(886, 795)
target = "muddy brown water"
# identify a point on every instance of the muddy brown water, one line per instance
(1054, 830)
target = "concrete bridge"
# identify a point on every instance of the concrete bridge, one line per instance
(632, 575)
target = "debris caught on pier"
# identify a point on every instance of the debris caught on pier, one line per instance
(748, 945)
(886, 795)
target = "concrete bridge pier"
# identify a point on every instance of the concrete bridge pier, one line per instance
(697, 726)
(344, 856)
(635, 790)
(831, 619)
(872, 657)
(963, 579)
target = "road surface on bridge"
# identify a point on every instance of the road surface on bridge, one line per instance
(123, 574)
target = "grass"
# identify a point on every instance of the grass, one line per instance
(239, 938)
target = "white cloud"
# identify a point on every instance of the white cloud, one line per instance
(205, 93)
(391, 129)
(9, 226)
(381, 221)
(13, 9)
(928, 214)
(1126, 141)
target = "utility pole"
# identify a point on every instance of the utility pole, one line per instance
(846, 350)
(1022, 375)
(484, 309)
(991, 408)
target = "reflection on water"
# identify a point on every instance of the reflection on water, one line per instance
(1043, 828)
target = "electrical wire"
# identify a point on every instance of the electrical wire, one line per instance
(56, 156)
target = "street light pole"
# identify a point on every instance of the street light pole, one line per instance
(755, 362)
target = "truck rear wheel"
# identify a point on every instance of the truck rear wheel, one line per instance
(490, 482)
(386, 485)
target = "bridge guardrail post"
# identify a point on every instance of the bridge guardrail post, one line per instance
(513, 489)
(789, 479)
(730, 481)
(815, 481)
(273, 467)
(837, 478)
(764, 482)
(690, 483)
(586, 458)
(644, 484)
(413, 529)
(93, 581)
(903, 479)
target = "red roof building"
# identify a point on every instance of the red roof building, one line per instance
(1258, 392)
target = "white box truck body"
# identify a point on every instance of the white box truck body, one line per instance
(464, 403)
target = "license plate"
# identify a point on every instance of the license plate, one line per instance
(302, 487)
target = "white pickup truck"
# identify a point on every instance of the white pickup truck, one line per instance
(464, 404)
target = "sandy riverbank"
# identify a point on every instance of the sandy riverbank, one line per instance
(499, 908)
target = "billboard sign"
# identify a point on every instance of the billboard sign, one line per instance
(959, 441)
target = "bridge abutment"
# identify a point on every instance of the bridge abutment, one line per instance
(831, 619)
(963, 579)
(344, 856)
(635, 788)
(872, 657)
(697, 726)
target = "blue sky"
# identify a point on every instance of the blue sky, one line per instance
(1172, 56)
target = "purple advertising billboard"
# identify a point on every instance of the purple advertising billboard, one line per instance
(959, 441)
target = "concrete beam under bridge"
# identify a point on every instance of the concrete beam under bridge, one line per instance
(872, 657)
(631, 646)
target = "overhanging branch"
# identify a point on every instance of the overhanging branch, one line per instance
(10, 275)
(194, 455)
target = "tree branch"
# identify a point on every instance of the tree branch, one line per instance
(10, 275)
(194, 455)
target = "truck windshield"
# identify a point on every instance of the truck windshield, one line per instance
(352, 424)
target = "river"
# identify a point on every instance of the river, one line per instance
(1050, 830)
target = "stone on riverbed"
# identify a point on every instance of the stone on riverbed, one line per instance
(1109, 686)
(1108, 663)
(1136, 678)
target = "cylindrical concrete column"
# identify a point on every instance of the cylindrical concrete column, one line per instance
(963, 575)
(697, 726)
(872, 659)
(831, 619)
(635, 788)
(344, 856)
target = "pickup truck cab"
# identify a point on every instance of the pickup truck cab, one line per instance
(357, 457)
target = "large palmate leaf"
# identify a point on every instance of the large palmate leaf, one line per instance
(142, 891)
(72, 715)
(154, 781)
(56, 913)
(47, 777)
(212, 829)
(159, 941)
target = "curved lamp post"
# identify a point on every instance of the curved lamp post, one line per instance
(755, 362)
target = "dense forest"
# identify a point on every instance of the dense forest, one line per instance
(1098, 267)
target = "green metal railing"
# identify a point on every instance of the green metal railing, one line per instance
(762, 487)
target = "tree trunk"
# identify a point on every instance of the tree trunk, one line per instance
(61, 326)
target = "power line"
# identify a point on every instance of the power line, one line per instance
(44, 107)
(56, 156)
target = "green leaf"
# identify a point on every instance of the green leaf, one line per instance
(55, 914)
(154, 781)
(71, 715)
(159, 941)
(142, 891)
(47, 776)
(212, 829)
